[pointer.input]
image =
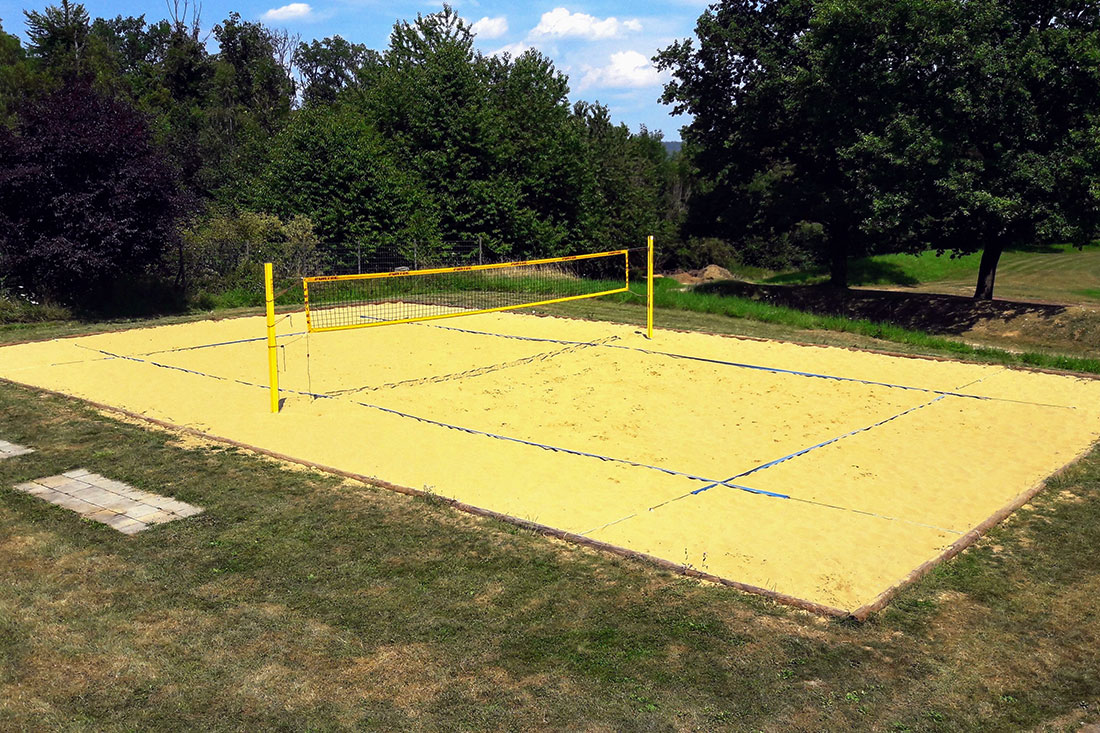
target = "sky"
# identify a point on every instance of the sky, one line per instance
(603, 47)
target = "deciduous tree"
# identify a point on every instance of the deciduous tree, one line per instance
(85, 198)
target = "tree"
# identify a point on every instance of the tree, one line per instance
(625, 179)
(540, 150)
(331, 165)
(249, 79)
(894, 126)
(1017, 127)
(430, 101)
(328, 67)
(59, 36)
(85, 198)
(251, 95)
(775, 115)
(19, 77)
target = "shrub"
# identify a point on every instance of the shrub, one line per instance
(226, 251)
(86, 200)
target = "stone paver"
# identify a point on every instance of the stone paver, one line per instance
(10, 450)
(105, 500)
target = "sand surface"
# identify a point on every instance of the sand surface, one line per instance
(883, 476)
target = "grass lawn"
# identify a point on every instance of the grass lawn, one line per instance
(1058, 273)
(299, 601)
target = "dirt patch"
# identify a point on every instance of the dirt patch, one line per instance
(710, 273)
(1074, 328)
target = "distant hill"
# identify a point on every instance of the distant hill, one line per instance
(672, 146)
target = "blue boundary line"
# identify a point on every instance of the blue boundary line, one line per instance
(775, 370)
(449, 426)
(220, 343)
(804, 451)
(172, 351)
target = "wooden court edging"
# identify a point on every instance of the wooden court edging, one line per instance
(863, 612)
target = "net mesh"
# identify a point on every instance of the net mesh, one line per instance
(354, 301)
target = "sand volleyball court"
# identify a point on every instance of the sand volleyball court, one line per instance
(821, 476)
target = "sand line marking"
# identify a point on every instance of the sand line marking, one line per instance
(775, 370)
(429, 421)
(568, 451)
(728, 483)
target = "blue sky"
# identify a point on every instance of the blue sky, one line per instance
(603, 47)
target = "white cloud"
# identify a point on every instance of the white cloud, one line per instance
(512, 49)
(627, 69)
(289, 12)
(560, 23)
(490, 27)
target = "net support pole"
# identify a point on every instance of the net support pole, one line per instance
(649, 290)
(272, 356)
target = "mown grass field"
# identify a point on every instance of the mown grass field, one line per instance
(1056, 273)
(299, 601)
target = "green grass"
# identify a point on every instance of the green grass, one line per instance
(893, 269)
(301, 602)
(1050, 272)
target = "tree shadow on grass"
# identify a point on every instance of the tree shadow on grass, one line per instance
(930, 312)
(861, 271)
(876, 272)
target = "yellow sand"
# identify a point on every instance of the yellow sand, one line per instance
(863, 510)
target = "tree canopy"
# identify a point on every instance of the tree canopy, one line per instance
(84, 196)
(850, 126)
(424, 141)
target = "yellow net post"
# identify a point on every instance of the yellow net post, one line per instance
(649, 290)
(272, 356)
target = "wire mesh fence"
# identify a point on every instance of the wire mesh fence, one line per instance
(355, 258)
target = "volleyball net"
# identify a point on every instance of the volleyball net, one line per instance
(403, 295)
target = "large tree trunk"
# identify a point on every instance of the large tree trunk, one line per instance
(987, 270)
(838, 266)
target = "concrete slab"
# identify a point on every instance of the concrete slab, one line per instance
(107, 501)
(10, 450)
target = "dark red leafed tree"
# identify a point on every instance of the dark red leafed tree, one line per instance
(86, 199)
